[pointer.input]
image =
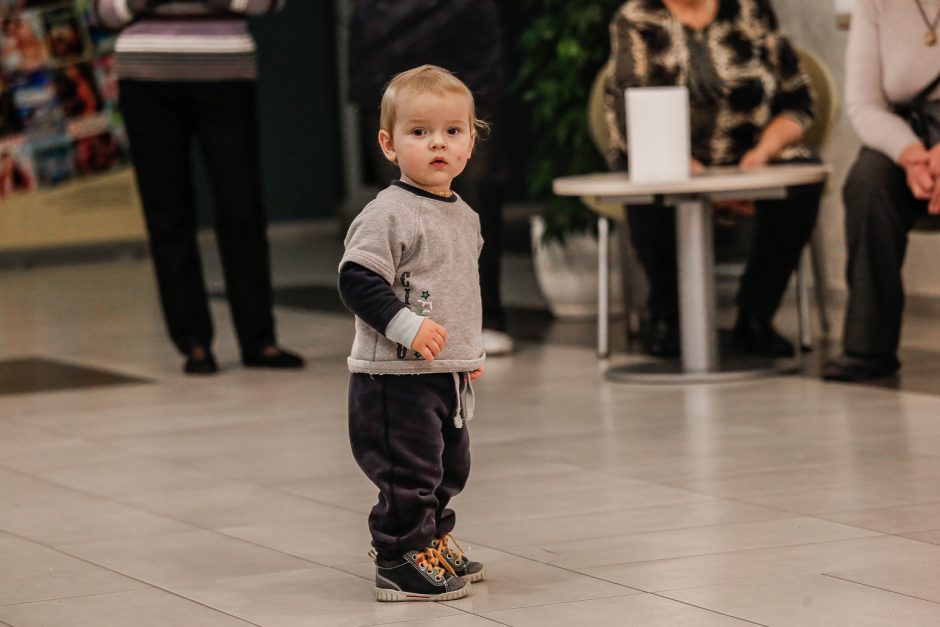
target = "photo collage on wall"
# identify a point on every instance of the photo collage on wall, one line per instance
(58, 96)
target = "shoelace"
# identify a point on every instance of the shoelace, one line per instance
(432, 561)
(455, 552)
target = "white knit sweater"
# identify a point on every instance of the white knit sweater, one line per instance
(887, 63)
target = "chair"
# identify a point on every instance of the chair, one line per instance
(817, 135)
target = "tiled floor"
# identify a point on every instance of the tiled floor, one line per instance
(234, 500)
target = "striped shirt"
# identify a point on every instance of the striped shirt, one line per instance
(183, 40)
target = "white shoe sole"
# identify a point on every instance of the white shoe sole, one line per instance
(384, 594)
(475, 577)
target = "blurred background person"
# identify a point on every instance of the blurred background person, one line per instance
(466, 37)
(892, 55)
(171, 90)
(750, 104)
(13, 176)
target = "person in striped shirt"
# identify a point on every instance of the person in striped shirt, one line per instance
(186, 69)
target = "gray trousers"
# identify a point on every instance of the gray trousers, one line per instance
(879, 213)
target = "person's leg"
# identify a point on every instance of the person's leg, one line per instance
(653, 233)
(783, 228)
(226, 125)
(396, 428)
(455, 461)
(396, 431)
(879, 213)
(782, 231)
(159, 131)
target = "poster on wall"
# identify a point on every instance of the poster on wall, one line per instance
(58, 97)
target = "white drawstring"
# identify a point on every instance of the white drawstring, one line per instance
(466, 399)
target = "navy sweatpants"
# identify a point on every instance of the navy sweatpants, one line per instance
(403, 436)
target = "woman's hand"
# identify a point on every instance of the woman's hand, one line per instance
(934, 161)
(916, 162)
(756, 157)
(933, 166)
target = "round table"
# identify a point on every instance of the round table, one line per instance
(692, 199)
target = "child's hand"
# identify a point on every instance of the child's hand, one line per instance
(476, 374)
(430, 339)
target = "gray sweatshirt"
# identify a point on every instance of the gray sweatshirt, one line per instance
(427, 250)
(887, 63)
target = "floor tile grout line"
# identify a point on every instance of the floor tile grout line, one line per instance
(554, 603)
(145, 587)
(149, 585)
(868, 585)
(666, 559)
(462, 611)
(792, 516)
(195, 527)
(709, 610)
(119, 499)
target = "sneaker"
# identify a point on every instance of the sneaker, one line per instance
(418, 576)
(497, 343)
(462, 565)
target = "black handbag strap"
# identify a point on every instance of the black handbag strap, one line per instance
(924, 93)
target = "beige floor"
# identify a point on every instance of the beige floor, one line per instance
(234, 500)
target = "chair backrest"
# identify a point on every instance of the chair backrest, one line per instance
(597, 116)
(597, 128)
(827, 98)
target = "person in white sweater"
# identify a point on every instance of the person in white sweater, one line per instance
(893, 54)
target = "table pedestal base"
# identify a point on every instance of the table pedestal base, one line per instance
(729, 369)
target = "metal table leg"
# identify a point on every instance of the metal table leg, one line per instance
(694, 239)
(603, 287)
(700, 360)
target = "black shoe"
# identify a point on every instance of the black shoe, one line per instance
(662, 337)
(200, 361)
(462, 565)
(759, 337)
(848, 368)
(281, 359)
(418, 576)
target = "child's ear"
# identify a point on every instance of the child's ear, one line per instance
(387, 146)
(473, 142)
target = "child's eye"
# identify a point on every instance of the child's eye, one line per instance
(454, 130)
(418, 132)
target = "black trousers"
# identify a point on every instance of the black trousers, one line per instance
(162, 119)
(402, 433)
(481, 186)
(783, 227)
(879, 213)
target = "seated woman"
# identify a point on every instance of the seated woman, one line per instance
(892, 55)
(750, 104)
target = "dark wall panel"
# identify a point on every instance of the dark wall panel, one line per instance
(300, 160)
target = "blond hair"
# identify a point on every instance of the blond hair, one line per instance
(424, 79)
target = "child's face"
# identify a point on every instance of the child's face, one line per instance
(432, 140)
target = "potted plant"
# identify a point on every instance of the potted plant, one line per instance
(560, 48)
